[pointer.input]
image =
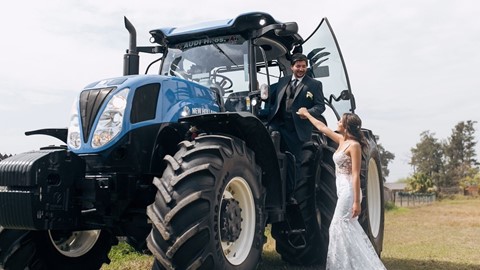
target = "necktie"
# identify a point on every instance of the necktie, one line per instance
(292, 87)
(295, 82)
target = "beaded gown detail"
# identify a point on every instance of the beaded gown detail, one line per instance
(349, 247)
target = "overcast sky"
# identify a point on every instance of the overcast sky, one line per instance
(413, 65)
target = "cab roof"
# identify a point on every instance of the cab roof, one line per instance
(247, 24)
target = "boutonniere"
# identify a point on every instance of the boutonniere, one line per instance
(309, 95)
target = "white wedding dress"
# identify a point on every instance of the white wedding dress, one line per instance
(349, 246)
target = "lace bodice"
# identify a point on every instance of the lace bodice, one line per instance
(343, 163)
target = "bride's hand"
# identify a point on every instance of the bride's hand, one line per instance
(357, 208)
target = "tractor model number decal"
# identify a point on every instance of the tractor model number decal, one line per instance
(233, 39)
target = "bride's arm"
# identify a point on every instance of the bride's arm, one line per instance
(304, 114)
(356, 155)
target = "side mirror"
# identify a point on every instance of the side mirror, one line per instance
(345, 95)
(264, 91)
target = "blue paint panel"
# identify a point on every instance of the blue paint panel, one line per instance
(177, 98)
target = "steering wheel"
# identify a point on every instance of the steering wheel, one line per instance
(223, 81)
(180, 74)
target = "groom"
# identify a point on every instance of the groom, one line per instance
(290, 94)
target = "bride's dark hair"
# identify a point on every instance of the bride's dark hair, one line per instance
(353, 127)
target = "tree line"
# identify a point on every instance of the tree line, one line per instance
(445, 164)
(440, 164)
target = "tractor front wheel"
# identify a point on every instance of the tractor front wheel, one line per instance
(209, 209)
(41, 250)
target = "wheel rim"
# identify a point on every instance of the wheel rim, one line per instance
(239, 191)
(74, 244)
(374, 198)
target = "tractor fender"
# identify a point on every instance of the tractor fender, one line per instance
(250, 129)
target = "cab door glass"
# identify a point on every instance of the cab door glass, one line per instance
(326, 65)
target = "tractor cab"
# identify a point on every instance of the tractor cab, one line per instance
(234, 58)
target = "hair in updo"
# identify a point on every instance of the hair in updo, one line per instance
(353, 127)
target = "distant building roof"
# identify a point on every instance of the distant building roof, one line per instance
(395, 186)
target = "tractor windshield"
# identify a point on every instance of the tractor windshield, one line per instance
(219, 62)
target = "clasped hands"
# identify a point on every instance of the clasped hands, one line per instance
(303, 113)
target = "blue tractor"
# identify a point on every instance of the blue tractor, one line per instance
(182, 163)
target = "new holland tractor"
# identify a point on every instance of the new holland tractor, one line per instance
(180, 161)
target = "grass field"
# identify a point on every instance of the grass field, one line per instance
(443, 235)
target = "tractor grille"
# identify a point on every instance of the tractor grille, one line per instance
(90, 103)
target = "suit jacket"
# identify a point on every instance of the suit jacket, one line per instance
(309, 94)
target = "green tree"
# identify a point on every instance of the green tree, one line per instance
(460, 162)
(470, 181)
(420, 183)
(427, 157)
(385, 158)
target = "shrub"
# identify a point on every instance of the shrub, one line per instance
(389, 205)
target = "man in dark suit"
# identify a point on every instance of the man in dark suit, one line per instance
(287, 96)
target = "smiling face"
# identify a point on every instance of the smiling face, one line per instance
(299, 68)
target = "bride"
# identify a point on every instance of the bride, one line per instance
(349, 246)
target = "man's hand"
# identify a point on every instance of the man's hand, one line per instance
(303, 112)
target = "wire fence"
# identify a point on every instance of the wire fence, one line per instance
(405, 199)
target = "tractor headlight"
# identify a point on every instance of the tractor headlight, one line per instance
(111, 120)
(74, 138)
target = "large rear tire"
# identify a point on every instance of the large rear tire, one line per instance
(209, 209)
(41, 250)
(373, 210)
(315, 193)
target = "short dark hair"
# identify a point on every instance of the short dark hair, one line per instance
(298, 57)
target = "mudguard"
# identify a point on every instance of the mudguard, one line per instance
(250, 129)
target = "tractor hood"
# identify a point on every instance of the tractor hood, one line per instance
(105, 111)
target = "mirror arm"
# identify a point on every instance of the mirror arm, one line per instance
(266, 29)
(279, 27)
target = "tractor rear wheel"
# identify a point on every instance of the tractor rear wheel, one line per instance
(209, 209)
(372, 216)
(303, 238)
(41, 250)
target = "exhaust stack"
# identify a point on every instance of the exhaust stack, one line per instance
(131, 59)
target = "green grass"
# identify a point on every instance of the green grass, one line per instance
(124, 257)
(443, 235)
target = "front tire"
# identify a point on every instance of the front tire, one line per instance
(209, 209)
(41, 250)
